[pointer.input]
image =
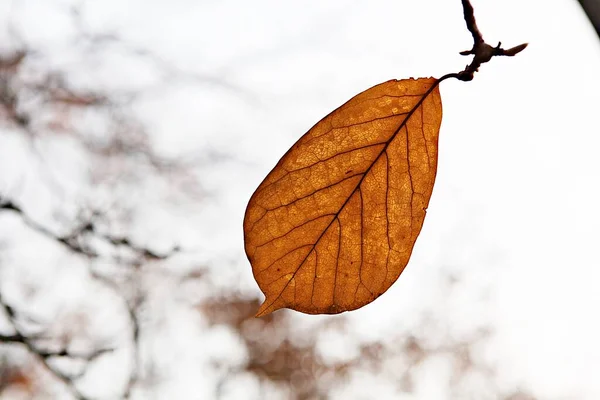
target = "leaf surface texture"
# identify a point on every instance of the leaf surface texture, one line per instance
(333, 225)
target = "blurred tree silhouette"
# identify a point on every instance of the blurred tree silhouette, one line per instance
(41, 349)
(81, 312)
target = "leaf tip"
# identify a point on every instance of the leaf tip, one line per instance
(267, 307)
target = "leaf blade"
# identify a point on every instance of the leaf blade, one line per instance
(333, 225)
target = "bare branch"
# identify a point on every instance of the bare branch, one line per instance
(135, 369)
(74, 242)
(132, 305)
(482, 51)
(15, 338)
(469, 14)
(42, 356)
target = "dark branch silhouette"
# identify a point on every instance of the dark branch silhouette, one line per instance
(129, 141)
(482, 51)
(46, 356)
(74, 241)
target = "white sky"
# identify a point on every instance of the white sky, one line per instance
(514, 214)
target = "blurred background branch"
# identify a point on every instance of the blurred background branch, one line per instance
(131, 138)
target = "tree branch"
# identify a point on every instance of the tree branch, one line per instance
(135, 368)
(41, 355)
(132, 305)
(73, 241)
(482, 51)
(469, 15)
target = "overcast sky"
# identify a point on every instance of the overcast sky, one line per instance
(514, 215)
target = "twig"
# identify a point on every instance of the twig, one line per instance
(482, 51)
(73, 243)
(132, 306)
(135, 368)
(68, 241)
(73, 240)
(469, 14)
(43, 356)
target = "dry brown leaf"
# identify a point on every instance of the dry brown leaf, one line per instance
(334, 223)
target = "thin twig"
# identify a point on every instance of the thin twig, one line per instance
(73, 240)
(73, 243)
(469, 14)
(135, 368)
(132, 306)
(42, 356)
(482, 51)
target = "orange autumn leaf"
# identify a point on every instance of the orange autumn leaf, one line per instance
(333, 225)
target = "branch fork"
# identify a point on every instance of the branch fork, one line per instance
(482, 51)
